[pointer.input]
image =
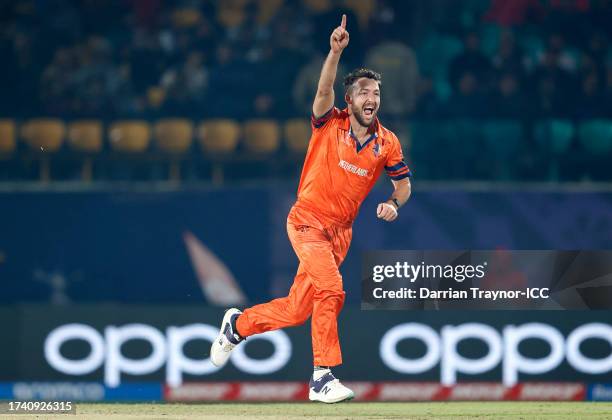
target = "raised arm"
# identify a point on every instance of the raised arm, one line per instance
(324, 99)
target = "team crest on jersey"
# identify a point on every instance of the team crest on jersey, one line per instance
(376, 150)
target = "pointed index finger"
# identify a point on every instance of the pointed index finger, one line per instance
(343, 24)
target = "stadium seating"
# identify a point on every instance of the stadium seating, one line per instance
(129, 136)
(554, 136)
(219, 136)
(424, 136)
(218, 140)
(7, 137)
(502, 141)
(261, 136)
(297, 133)
(464, 141)
(173, 136)
(596, 136)
(85, 137)
(44, 136)
(502, 137)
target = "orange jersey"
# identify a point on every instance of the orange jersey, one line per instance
(339, 172)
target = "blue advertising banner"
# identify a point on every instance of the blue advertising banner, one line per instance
(229, 246)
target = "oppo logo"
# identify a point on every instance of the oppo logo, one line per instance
(443, 348)
(166, 349)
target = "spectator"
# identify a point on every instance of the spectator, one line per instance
(305, 86)
(472, 61)
(467, 101)
(592, 98)
(231, 85)
(508, 100)
(428, 104)
(552, 87)
(509, 57)
(398, 65)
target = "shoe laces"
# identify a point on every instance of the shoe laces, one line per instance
(228, 346)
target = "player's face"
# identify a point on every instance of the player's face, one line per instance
(364, 100)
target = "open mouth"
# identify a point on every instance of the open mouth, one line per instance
(368, 111)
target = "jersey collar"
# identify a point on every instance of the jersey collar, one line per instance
(376, 131)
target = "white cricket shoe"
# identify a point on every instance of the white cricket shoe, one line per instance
(328, 389)
(226, 340)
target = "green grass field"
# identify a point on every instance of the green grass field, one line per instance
(426, 410)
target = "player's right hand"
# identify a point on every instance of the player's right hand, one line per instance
(340, 37)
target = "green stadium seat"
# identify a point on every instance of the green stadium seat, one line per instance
(436, 52)
(596, 136)
(554, 136)
(429, 152)
(503, 137)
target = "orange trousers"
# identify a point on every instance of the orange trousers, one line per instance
(316, 291)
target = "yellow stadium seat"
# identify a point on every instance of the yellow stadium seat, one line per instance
(129, 136)
(261, 136)
(297, 135)
(85, 136)
(7, 136)
(43, 134)
(218, 136)
(173, 135)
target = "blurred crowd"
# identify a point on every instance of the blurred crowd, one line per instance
(239, 58)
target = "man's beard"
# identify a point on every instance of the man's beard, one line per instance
(359, 117)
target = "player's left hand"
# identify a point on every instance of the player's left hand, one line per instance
(387, 212)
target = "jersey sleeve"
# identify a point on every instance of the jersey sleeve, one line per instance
(320, 122)
(395, 166)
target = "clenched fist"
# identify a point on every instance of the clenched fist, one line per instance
(386, 211)
(340, 37)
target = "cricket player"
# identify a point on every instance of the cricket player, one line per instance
(348, 151)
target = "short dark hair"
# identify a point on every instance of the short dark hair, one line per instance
(357, 74)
